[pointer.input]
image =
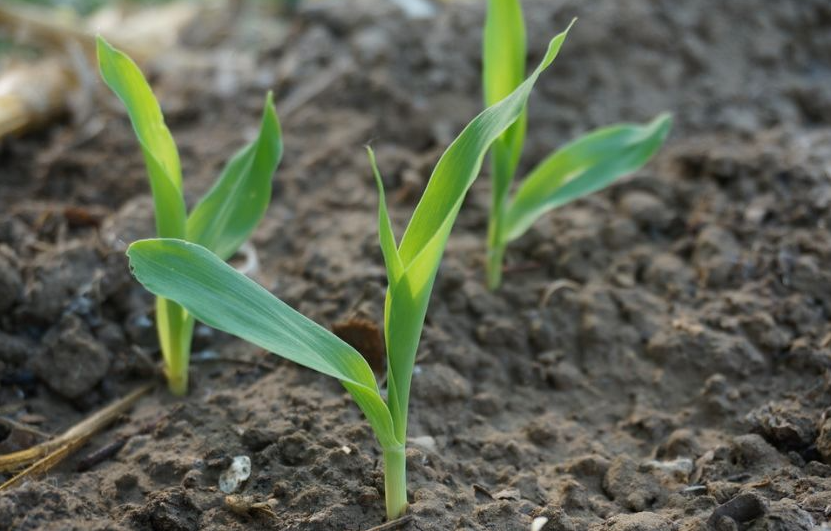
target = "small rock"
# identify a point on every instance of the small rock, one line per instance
(667, 273)
(754, 452)
(59, 276)
(73, 362)
(743, 508)
(236, 474)
(538, 523)
(438, 383)
(716, 255)
(629, 487)
(256, 439)
(647, 210)
(785, 515)
(508, 494)
(681, 442)
(784, 424)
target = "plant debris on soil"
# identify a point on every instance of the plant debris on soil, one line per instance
(657, 358)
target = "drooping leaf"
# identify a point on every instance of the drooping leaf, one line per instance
(227, 215)
(425, 238)
(583, 166)
(221, 297)
(125, 79)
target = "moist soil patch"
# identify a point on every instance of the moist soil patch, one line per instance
(657, 357)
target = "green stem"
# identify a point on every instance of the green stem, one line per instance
(395, 482)
(496, 248)
(177, 382)
(175, 329)
(496, 254)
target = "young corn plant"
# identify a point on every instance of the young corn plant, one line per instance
(581, 167)
(221, 221)
(221, 297)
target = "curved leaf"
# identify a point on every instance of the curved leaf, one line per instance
(227, 215)
(425, 238)
(581, 167)
(125, 79)
(221, 297)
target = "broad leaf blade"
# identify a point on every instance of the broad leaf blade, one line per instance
(125, 79)
(586, 165)
(503, 69)
(227, 215)
(426, 235)
(221, 297)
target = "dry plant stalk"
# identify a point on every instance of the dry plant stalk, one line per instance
(44, 456)
(33, 93)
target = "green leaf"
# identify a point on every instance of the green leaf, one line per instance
(227, 215)
(425, 238)
(583, 166)
(221, 297)
(503, 69)
(387, 238)
(122, 75)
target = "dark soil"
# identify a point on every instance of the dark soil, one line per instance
(658, 357)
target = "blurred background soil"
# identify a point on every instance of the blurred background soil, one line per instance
(657, 358)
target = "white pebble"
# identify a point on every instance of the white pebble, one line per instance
(538, 523)
(236, 474)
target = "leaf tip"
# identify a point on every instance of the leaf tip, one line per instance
(570, 24)
(270, 111)
(374, 164)
(663, 124)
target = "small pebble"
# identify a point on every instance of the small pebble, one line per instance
(236, 474)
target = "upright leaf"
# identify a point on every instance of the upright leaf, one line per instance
(125, 79)
(503, 69)
(227, 215)
(424, 240)
(583, 166)
(221, 297)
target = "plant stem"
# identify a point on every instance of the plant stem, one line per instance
(177, 382)
(496, 249)
(395, 482)
(175, 328)
(494, 266)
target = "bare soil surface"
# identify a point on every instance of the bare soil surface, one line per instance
(657, 359)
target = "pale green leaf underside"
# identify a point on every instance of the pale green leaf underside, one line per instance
(583, 166)
(412, 268)
(227, 215)
(125, 79)
(221, 297)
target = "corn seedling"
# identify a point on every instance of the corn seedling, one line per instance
(221, 297)
(221, 221)
(581, 167)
